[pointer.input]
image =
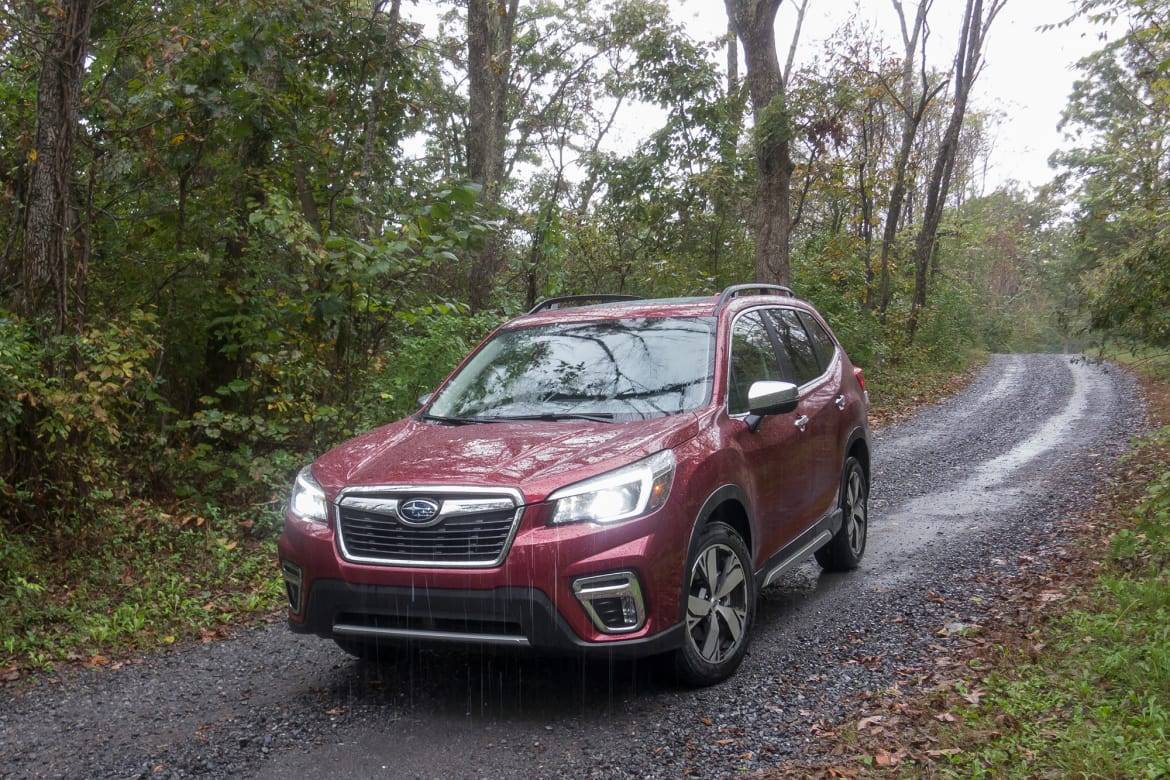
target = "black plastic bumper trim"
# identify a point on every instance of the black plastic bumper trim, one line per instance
(333, 602)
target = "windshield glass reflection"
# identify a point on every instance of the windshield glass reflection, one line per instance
(610, 369)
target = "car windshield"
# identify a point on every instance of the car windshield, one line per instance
(608, 369)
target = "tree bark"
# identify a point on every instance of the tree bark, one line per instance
(52, 256)
(968, 62)
(754, 21)
(490, 25)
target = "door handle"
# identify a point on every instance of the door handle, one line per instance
(840, 401)
(801, 422)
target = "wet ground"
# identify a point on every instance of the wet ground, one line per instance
(962, 488)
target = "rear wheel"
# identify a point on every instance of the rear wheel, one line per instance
(720, 594)
(844, 551)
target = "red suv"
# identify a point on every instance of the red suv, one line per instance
(621, 477)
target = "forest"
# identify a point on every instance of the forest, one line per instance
(234, 234)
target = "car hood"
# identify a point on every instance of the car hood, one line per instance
(533, 456)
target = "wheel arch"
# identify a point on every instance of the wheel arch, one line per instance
(729, 504)
(857, 446)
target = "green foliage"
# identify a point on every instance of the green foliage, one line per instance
(146, 579)
(1120, 114)
(72, 414)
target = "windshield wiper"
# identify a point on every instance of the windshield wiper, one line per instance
(460, 420)
(604, 417)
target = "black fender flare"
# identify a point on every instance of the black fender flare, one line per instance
(728, 492)
(859, 434)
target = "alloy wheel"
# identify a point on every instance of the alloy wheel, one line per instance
(855, 512)
(717, 603)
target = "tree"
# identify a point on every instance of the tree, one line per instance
(968, 64)
(1119, 113)
(490, 28)
(55, 253)
(912, 114)
(754, 21)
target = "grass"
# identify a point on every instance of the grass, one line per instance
(1095, 702)
(137, 578)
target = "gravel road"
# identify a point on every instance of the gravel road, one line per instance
(961, 489)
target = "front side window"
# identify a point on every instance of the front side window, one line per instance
(753, 359)
(614, 369)
(798, 345)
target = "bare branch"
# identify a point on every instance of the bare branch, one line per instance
(795, 40)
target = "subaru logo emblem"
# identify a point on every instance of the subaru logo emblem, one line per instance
(418, 511)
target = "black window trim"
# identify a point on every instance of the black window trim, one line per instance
(778, 348)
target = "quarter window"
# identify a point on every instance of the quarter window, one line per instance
(753, 359)
(796, 342)
(822, 341)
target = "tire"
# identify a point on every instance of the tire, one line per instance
(705, 658)
(847, 547)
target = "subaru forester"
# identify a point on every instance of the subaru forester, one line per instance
(603, 475)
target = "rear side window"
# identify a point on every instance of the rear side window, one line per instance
(822, 341)
(797, 343)
(752, 360)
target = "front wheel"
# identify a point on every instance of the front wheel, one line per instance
(720, 594)
(844, 551)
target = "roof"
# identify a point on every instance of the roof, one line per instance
(698, 306)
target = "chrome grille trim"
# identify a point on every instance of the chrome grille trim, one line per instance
(456, 512)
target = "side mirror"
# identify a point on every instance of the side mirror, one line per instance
(766, 398)
(424, 399)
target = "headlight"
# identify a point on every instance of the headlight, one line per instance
(619, 495)
(308, 499)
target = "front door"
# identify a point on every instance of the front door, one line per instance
(778, 452)
(819, 383)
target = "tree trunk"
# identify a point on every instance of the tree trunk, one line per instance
(753, 21)
(490, 25)
(968, 61)
(911, 119)
(51, 260)
(728, 152)
(865, 201)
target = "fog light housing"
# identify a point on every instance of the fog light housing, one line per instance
(613, 601)
(292, 584)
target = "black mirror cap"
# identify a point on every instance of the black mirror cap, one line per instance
(766, 398)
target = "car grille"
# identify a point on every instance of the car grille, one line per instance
(474, 529)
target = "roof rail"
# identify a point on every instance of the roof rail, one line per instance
(548, 304)
(735, 290)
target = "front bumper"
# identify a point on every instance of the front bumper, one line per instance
(509, 617)
(528, 600)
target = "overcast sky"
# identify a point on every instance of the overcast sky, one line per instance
(1028, 73)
